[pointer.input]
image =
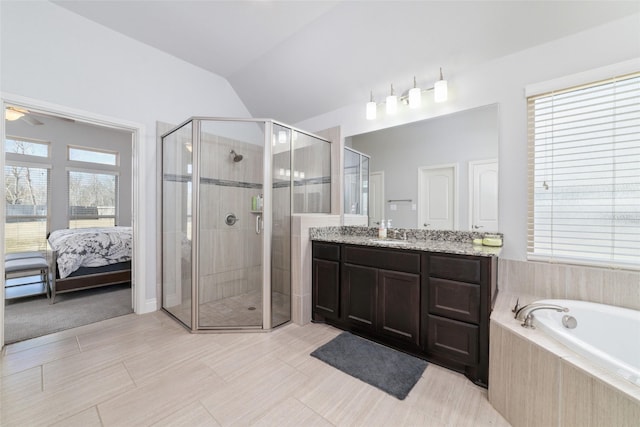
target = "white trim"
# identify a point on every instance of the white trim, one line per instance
(382, 204)
(589, 76)
(10, 162)
(92, 171)
(471, 166)
(140, 303)
(150, 305)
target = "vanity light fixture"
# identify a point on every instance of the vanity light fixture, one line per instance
(413, 97)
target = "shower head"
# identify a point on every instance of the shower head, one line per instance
(235, 156)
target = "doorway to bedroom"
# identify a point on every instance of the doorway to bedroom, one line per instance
(68, 222)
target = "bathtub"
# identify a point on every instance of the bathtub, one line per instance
(609, 336)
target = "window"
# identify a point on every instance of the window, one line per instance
(93, 156)
(584, 174)
(92, 199)
(27, 186)
(27, 196)
(26, 147)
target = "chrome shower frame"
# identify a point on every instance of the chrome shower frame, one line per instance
(267, 218)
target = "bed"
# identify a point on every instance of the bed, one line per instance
(84, 258)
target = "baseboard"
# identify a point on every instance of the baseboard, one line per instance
(149, 306)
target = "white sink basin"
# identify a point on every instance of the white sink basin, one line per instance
(389, 242)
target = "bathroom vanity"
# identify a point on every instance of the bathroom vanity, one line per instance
(430, 298)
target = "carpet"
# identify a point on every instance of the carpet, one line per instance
(32, 317)
(389, 370)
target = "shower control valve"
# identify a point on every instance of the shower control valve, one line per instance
(230, 219)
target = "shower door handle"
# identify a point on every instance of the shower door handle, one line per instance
(258, 224)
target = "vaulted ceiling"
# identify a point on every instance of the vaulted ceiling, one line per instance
(292, 60)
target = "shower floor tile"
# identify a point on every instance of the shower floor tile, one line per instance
(240, 311)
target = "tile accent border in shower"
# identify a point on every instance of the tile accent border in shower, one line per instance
(228, 183)
(212, 181)
(241, 184)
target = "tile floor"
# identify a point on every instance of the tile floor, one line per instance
(147, 370)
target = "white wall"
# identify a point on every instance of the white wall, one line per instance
(53, 55)
(502, 81)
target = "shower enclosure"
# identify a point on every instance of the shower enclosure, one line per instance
(229, 188)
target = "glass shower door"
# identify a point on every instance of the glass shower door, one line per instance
(230, 224)
(281, 178)
(177, 231)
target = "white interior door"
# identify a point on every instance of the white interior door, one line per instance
(437, 192)
(483, 198)
(376, 198)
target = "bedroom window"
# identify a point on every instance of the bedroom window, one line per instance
(27, 186)
(27, 199)
(584, 174)
(90, 155)
(92, 199)
(25, 147)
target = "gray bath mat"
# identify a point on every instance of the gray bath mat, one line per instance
(389, 370)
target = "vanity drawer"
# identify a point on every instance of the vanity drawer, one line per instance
(387, 259)
(330, 251)
(455, 300)
(457, 340)
(461, 269)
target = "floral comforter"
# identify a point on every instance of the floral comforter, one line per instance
(90, 247)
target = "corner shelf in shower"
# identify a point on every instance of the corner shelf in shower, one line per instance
(256, 212)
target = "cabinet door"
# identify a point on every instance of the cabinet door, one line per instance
(359, 296)
(399, 305)
(457, 341)
(326, 288)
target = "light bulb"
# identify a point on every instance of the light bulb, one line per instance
(371, 110)
(392, 102)
(440, 90)
(415, 97)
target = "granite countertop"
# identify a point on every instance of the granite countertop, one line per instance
(454, 242)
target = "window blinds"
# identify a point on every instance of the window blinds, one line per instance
(27, 194)
(584, 174)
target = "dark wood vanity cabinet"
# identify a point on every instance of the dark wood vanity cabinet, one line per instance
(326, 281)
(433, 305)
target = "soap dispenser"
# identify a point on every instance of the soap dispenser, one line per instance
(382, 231)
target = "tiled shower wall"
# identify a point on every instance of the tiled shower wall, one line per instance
(230, 255)
(563, 281)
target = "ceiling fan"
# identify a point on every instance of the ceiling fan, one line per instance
(15, 113)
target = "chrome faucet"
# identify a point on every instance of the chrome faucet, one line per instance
(525, 313)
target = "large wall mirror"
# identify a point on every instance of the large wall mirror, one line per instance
(439, 173)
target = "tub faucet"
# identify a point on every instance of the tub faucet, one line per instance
(525, 313)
